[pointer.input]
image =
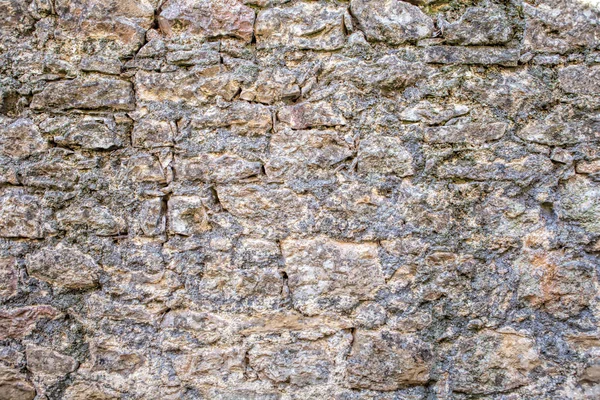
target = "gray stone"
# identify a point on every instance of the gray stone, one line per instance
(94, 93)
(471, 55)
(305, 25)
(468, 133)
(580, 79)
(509, 361)
(328, 274)
(20, 138)
(21, 216)
(391, 21)
(479, 26)
(206, 19)
(385, 155)
(45, 361)
(387, 360)
(64, 266)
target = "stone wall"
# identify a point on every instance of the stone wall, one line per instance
(299, 199)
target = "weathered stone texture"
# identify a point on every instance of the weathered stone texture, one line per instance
(299, 199)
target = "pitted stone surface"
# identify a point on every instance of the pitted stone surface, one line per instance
(299, 199)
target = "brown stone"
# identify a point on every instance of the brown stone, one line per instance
(16, 323)
(14, 385)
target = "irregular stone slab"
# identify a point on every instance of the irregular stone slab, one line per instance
(580, 79)
(304, 26)
(471, 55)
(20, 138)
(21, 216)
(387, 360)
(63, 266)
(206, 19)
(152, 217)
(580, 202)
(311, 115)
(204, 55)
(16, 323)
(94, 133)
(272, 85)
(557, 131)
(306, 154)
(510, 91)
(114, 357)
(206, 327)
(221, 168)
(211, 366)
(475, 133)
(559, 26)
(300, 364)
(494, 361)
(384, 155)
(145, 167)
(45, 361)
(94, 93)
(357, 212)
(83, 390)
(484, 165)
(150, 133)
(192, 88)
(479, 26)
(264, 206)
(91, 216)
(57, 169)
(117, 27)
(391, 21)
(240, 117)
(14, 385)
(101, 64)
(240, 288)
(187, 215)
(325, 274)
(388, 73)
(559, 283)
(99, 306)
(9, 277)
(432, 114)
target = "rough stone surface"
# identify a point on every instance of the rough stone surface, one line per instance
(299, 199)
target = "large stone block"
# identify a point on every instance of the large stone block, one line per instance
(388, 360)
(20, 138)
(479, 26)
(305, 25)
(220, 168)
(9, 277)
(384, 155)
(21, 216)
(494, 361)
(64, 266)
(16, 323)
(45, 361)
(559, 283)
(306, 154)
(471, 55)
(206, 19)
(93, 93)
(311, 115)
(475, 133)
(187, 215)
(391, 21)
(580, 79)
(326, 274)
(14, 385)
